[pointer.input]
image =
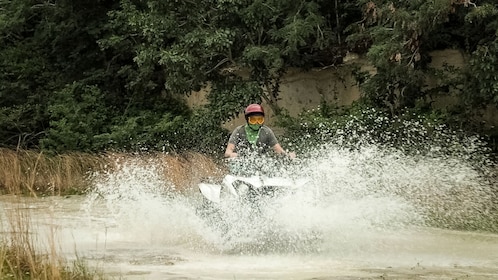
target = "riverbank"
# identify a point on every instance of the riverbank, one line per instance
(24, 256)
(38, 174)
(160, 237)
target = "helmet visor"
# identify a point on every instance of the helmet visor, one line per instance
(256, 119)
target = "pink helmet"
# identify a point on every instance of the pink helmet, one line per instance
(254, 109)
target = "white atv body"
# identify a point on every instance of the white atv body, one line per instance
(240, 187)
(242, 209)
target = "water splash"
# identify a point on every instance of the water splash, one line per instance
(140, 205)
(353, 197)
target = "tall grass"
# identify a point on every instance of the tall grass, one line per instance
(22, 257)
(187, 170)
(36, 173)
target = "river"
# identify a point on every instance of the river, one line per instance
(351, 222)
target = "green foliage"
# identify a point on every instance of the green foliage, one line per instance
(111, 60)
(228, 98)
(45, 48)
(359, 126)
(480, 81)
(77, 113)
(183, 57)
(94, 75)
(475, 85)
(147, 131)
(484, 19)
(191, 43)
(481, 87)
(26, 78)
(278, 35)
(401, 34)
(202, 133)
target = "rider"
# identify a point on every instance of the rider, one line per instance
(254, 135)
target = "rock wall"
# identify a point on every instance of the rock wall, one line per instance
(304, 90)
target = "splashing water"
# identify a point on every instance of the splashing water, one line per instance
(365, 206)
(141, 205)
(353, 198)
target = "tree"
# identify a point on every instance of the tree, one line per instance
(480, 82)
(45, 46)
(127, 65)
(195, 42)
(400, 35)
(276, 35)
(61, 89)
(27, 77)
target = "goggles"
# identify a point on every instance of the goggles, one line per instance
(256, 119)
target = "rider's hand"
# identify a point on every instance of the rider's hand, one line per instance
(291, 155)
(233, 155)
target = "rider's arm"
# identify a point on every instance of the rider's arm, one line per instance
(272, 141)
(279, 150)
(229, 152)
(234, 138)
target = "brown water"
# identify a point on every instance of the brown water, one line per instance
(180, 251)
(363, 215)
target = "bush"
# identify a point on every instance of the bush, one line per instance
(412, 132)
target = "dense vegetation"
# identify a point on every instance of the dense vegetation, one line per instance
(97, 75)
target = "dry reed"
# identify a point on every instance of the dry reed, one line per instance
(35, 173)
(188, 170)
(21, 258)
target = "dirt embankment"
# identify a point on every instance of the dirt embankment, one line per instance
(303, 90)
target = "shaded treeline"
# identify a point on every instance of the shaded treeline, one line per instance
(97, 75)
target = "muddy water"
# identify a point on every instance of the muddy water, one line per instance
(172, 250)
(362, 215)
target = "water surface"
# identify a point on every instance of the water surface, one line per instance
(363, 215)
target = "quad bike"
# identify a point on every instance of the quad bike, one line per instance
(243, 209)
(249, 185)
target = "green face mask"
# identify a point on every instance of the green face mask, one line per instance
(255, 127)
(252, 133)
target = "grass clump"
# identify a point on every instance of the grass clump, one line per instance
(35, 173)
(22, 256)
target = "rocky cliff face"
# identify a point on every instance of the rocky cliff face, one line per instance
(303, 90)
